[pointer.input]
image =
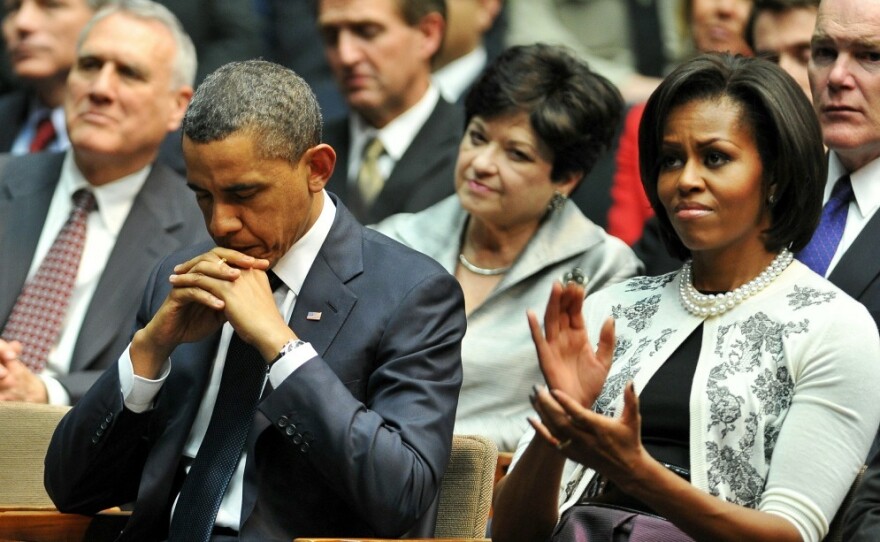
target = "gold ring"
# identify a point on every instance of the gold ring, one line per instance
(222, 261)
(564, 444)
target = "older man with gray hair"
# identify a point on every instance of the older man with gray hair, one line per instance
(80, 230)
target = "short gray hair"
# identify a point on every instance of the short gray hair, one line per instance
(262, 99)
(185, 63)
(98, 4)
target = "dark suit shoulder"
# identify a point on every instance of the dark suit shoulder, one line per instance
(13, 111)
(384, 251)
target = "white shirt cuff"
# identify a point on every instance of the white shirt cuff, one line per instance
(138, 392)
(290, 362)
(57, 394)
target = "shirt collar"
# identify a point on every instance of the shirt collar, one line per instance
(455, 78)
(293, 267)
(397, 135)
(865, 183)
(114, 198)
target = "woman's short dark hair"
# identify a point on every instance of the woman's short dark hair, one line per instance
(786, 132)
(574, 111)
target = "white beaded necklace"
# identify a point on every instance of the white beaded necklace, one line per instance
(705, 305)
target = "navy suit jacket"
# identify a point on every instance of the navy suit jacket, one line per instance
(353, 443)
(163, 218)
(424, 175)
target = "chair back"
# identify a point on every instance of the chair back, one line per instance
(835, 530)
(25, 431)
(466, 488)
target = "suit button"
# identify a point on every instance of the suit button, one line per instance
(95, 439)
(104, 425)
(289, 431)
(99, 432)
(282, 421)
(297, 438)
(304, 447)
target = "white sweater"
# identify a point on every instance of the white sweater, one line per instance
(783, 404)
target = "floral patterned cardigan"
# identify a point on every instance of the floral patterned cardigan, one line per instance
(783, 405)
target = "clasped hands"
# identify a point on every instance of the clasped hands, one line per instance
(216, 287)
(575, 375)
(17, 381)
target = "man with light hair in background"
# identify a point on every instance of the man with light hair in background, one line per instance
(80, 230)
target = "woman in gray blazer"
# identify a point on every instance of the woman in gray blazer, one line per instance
(537, 120)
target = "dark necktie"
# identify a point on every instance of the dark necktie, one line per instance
(820, 250)
(43, 136)
(41, 306)
(244, 374)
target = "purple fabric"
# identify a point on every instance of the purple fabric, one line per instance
(598, 523)
(821, 248)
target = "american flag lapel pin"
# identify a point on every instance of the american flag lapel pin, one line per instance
(313, 315)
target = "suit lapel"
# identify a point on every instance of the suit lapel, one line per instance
(859, 265)
(26, 189)
(146, 236)
(324, 291)
(426, 155)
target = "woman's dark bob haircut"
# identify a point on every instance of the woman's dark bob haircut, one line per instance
(574, 111)
(785, 129)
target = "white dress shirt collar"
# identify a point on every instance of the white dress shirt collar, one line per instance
(865, 184)
(115, 199)
(396, 136)
(455, 78)
(294, 266)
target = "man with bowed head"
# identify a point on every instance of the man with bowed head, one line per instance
(297, 377)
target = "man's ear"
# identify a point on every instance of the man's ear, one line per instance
(433, 28)
(181, 98)
(320, 161)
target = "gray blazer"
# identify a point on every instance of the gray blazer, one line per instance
(498, 341)
(353, 443)
(163, 218)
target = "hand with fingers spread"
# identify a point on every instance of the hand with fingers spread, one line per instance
(565, 354)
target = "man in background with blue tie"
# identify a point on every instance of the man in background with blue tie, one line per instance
(296, 377)
(845, 79)
(80, 230)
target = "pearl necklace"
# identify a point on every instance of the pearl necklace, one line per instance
(482, 270)
(706, 305)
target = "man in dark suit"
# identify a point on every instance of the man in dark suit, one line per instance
(847, 101)
(40, 39)
(398, 148)
(128, 89)
(845, 83)
(353, 348)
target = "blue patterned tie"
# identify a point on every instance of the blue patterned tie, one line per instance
(821, 248)
(202, 492)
